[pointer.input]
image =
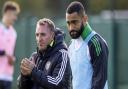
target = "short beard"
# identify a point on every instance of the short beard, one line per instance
(77, 33)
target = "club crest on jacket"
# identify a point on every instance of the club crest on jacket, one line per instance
(47, 66)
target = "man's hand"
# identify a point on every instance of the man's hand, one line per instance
(27, 66)
(11, 59)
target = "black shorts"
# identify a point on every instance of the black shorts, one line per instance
(5, 84)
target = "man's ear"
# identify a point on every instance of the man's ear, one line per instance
(85, 19)
(53, 35)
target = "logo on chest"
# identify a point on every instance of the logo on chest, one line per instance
(47, 66)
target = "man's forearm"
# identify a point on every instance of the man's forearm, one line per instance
(24, 82)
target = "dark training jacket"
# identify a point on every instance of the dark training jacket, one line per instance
(53, 68)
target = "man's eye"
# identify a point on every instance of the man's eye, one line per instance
(68, 23)
(42, 34)
(75, 22)
(37, 34)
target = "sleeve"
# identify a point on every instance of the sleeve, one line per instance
(55, 80)
(10, 49)
(24, 82)
(99, 57)
(2, 50)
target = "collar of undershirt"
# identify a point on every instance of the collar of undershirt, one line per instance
(87, 30)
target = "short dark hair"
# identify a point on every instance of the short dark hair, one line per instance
(10, 5)
(76, 7)
(49, 22)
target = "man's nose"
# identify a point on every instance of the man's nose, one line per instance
(71, 27)
(39, 38)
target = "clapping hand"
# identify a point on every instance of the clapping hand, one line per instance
(27, 66)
